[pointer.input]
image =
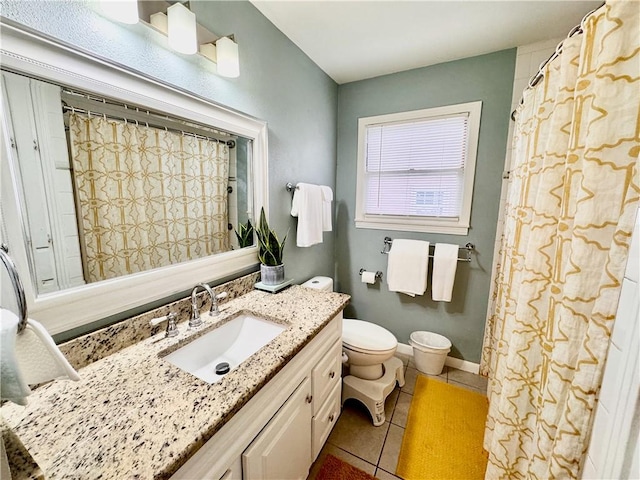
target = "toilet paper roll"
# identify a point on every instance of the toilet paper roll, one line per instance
(369, 277)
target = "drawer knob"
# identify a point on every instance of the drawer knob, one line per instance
(309, 398)
(332, 374)
(331, 417)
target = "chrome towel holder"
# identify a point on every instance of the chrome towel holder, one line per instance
(469, 247)
(17, 286)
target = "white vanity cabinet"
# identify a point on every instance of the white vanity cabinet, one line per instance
(280, 431)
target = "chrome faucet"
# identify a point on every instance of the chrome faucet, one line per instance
(195, 320)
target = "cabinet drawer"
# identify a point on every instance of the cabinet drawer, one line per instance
(326, 375)
(324, 421)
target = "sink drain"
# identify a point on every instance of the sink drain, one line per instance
(222, 368)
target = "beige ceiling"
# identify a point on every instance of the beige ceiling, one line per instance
(354, 40)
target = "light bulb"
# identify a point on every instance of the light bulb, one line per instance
(227, 57)
(125, 11)
(182, 29)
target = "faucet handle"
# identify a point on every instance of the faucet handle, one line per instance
(214, 303)
(172, 328)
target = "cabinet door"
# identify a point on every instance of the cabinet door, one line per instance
(282, 451)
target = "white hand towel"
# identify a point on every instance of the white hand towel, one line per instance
(307, 206)
(407, 266)
(35, 358)
(445, 263)
(13, 386)
(327, 198)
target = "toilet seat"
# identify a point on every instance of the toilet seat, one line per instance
(365, 337)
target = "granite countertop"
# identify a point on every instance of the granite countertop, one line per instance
(134, 415)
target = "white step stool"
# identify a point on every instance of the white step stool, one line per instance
(373, 393)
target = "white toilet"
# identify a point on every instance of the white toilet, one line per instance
(369, 348)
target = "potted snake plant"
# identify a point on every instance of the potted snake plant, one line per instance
(270, 252)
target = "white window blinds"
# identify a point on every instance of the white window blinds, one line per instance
(417, 168)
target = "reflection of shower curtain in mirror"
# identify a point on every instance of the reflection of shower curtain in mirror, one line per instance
(147, 197)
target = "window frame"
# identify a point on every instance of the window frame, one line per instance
(407, 223)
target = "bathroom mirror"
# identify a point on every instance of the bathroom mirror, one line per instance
(125, 190)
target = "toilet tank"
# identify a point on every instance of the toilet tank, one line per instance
(320, 283)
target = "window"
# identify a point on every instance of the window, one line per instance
(416, 169)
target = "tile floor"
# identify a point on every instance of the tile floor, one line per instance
(375, 450)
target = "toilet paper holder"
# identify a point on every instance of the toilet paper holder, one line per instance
(378, 273)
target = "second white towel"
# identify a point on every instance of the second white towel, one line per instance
(445, 263)
(327, 198)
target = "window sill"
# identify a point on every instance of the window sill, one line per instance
(407, 226)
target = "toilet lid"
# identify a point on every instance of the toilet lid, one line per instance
(367, 336)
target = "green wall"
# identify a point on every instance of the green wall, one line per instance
(488, 78)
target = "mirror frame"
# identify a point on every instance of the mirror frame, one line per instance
(34, 55)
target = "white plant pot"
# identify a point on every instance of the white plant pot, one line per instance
(272, 275)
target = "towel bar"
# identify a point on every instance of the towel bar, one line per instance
(17, 286)
(291, 187)
(469, 247)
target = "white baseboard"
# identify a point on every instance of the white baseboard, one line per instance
(452, 362)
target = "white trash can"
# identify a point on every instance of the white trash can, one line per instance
(429, 351)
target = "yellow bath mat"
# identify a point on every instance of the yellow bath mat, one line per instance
(443, 438)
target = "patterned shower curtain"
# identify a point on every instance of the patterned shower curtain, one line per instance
(146, 197)
(569, 218)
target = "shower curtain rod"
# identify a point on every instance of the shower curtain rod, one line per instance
(143, 111)
(539, 75)
(229, 143)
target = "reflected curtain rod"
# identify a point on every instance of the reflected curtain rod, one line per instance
(533, 81)
(143, 111)
(229, 143)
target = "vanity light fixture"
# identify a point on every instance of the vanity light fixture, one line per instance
(124, 11)
(184, 34)
(227, 57)
(181, 27)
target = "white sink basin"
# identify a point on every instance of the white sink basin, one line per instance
(233, 342)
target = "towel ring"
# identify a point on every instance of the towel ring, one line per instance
(17, 286)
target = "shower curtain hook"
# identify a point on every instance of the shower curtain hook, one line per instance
(582, 22)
